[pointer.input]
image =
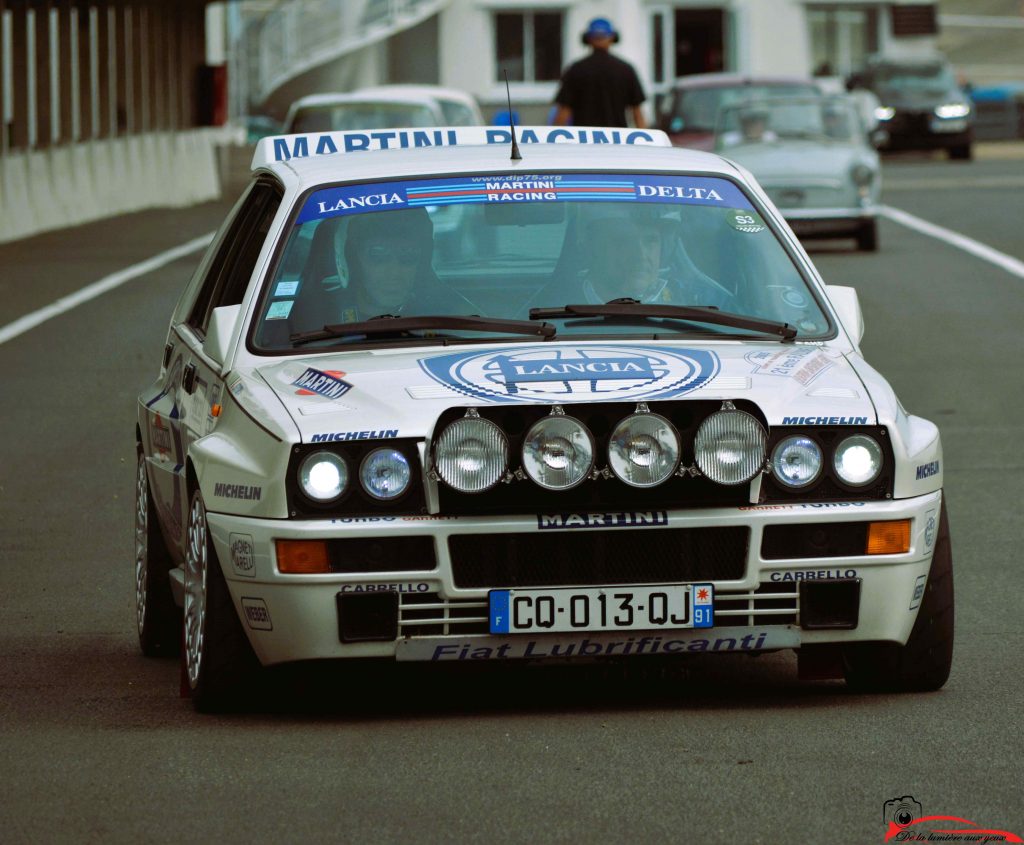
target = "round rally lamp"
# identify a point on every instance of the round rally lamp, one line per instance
(858, 460)
(730, 446)
(558, 452)
(471, 455)
(385, 474)
(643, 450)
(323, 476)
(797, 461)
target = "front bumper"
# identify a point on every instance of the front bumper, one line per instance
(823, 222)
(296, 617)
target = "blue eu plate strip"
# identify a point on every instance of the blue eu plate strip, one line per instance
(499, 611)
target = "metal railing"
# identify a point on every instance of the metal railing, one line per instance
(296, 37)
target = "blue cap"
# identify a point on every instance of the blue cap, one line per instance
(600, 28)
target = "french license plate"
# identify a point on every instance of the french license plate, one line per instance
(622, 608)
(949, 125)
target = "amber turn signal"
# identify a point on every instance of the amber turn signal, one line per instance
(889, 538)
(302, 557)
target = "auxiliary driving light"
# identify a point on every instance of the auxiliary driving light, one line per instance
(796, 461)
(730, 446)
(558, 452)
(471, 454)
(323, 476)
(858, 460)
(643, 450)
(385, 474)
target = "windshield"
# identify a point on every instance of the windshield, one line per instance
(343, 116)
(933, 77)
(696, 110)
(497, 246)
(820, 119)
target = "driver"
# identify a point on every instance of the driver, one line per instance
(381, 266)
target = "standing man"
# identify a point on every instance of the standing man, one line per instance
(597, 90)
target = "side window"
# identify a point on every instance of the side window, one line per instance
(232, 267)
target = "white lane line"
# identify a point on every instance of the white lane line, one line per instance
(66, 303)
(975, 248)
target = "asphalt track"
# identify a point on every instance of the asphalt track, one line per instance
(97, 746)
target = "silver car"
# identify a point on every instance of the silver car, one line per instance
(813, 158)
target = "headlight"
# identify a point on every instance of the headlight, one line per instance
(558, 452)
(858, 460)
(385, 474)
(885, 113)
(953, 110)
(862, 174)
(471, 454)
(796, 461)
(323, 476)
(643, 450)
(730, 446)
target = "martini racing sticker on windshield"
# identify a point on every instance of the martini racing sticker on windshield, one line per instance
(504, 188)
(546, 374)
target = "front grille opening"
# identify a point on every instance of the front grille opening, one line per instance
(617, 556)
(814, 540)
(382, 554)
(769, 604)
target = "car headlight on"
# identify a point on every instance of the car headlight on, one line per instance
(858, 460)
(730, 446)
(643, 450)
(471, 454)
(323, 476)
(950, 110)
(385, 474)
(862, 174)
(797, 461)
(558, 452)
(884, 113)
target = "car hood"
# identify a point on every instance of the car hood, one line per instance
(400, 393)
(796, 159)
(918, 99)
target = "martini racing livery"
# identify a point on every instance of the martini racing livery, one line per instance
(430, 398)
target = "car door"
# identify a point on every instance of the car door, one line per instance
(197, 382)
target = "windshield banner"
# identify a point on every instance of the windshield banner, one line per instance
(563, 187)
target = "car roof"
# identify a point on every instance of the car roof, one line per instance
(417, 91)
(438, 161)
(721, 80)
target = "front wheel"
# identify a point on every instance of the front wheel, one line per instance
(157, 616)
(867, 236)
(922, 664)
(219, 662)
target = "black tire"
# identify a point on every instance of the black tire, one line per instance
(923, 664)
(964, 152)
(158, 618)
(867, 236)
(220, 665)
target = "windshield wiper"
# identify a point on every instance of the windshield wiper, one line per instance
(390, 324)
(627, 307)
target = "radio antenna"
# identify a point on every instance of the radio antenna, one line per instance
(516, 156)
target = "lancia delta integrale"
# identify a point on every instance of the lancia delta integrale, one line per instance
(428, 399)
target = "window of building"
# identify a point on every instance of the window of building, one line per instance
(529, 46)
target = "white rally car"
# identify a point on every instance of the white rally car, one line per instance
(425, 400)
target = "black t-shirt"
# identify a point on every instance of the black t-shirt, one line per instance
(599, 89)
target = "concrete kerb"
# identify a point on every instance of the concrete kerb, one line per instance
(17, 212)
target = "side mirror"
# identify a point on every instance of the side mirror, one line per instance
(847, 305)
(223, 322)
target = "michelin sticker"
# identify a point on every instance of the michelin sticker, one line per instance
(558, 373)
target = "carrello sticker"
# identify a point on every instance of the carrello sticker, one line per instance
(566, 372)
